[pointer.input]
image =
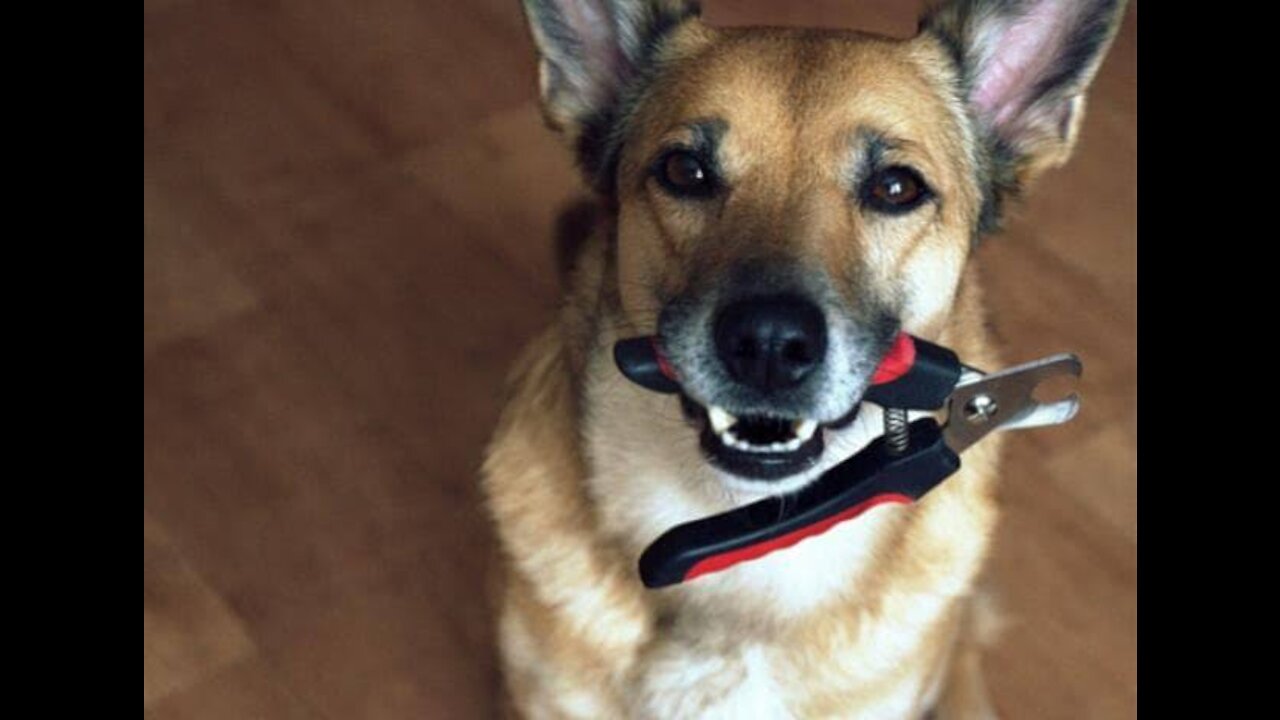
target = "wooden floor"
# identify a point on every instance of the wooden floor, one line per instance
(347, 213)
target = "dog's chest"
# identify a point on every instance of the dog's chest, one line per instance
(684, 681)
(752, 681)
(651, 476)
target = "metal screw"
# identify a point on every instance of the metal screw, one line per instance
(980, 409)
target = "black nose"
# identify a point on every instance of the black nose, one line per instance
(771, 343)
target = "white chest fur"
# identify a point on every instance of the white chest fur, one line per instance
(750, 681)
(683, 682)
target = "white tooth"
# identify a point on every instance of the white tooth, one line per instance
(804, 429)
(721, 420)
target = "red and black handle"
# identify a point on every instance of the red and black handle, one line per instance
(642, 361)
(914, 375)
(872, 477)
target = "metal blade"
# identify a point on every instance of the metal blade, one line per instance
(1004, 400)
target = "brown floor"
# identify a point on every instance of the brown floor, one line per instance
(347, 211)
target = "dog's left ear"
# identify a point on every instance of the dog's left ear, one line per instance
(1026, 65)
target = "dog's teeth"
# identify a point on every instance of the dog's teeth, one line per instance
(721, 420)
(804, 429)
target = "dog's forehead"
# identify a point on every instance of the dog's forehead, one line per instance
(805, 92)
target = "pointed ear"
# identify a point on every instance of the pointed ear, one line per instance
(590, 52)
(1026, 65)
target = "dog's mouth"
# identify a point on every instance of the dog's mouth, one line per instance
(760, 447)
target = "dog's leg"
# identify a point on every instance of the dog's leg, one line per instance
(965, 695)
(550, 671)
(964, 692)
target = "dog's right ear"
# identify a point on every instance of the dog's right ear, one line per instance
(591, 52)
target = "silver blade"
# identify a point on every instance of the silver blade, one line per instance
(1054, 413)
(1004, 400)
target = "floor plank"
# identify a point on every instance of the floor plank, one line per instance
(248, 690)
(188, 633)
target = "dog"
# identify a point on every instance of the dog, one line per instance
(775, 206)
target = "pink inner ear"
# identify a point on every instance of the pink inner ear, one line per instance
(1016, 56)
(591, 24)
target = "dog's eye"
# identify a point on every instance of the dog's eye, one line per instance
(684, 174)
(895, 190)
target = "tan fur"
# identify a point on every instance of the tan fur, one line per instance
(900, 634)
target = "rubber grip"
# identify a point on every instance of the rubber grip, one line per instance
(643, 363)
(915, 375)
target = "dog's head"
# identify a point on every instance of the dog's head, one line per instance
(786, 200)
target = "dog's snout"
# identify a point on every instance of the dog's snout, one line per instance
(771, 343)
